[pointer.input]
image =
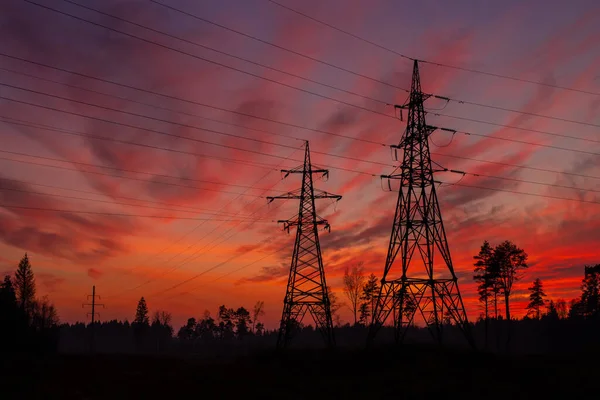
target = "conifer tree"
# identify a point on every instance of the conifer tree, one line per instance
(25, 285)
(536, 299)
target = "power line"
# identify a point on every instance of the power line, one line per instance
(209, 233)
(128, 170)
(165, 121)
(170, 205)
(285, 246)
(244, 162)
(471, 70)
(258, 152)
(527, 193)
(349, 170)
(516, 165)
(520, 180)
(119, 214)
(145, 104)
(50, 128)
(98, 201)
(227, 54)
(140, 116)
(527, 143)
(120, 177)
(207, 60)
(515, 127)
(277, 46)
(532, 114)
(231, 272)
(193, 102)
(354, 159)
(293, 137)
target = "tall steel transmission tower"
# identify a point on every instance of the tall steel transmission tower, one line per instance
(306, 289)
(424, 283)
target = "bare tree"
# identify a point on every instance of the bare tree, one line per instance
(257, 311)
(354, 281)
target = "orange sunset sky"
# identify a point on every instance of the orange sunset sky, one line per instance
(189, 149)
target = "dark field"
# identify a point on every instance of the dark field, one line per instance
(408, 372)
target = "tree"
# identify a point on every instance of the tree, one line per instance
(241, 320)
(575, 309)
(551, 313)
(370, 291)
(334, 307)
(536, 299)
(354, 280)
(561, 308)
(590, 291)
(484, 276)
(206, 327)
(141, 313)
(44, 314)
(8, 297)
(257, 311)
(188, 331)
(161, 328)
(226, 323)
(25, 285)
(508, 263)
(141, 323)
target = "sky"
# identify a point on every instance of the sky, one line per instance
(134, 161)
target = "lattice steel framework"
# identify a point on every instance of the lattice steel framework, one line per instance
(306, 289)
(418, 228)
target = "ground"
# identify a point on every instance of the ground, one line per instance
(407, 372)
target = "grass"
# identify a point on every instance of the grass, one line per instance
(406, 372)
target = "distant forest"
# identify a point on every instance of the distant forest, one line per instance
(31, 324)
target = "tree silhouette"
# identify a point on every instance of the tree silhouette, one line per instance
(354, 280)
(561, 308)
(25, 286)
(484, 275)
(206, 327)
(508, 263)
(8, 297)
(141, 313)
(368, 298)
(257, 311)
(590, 291)
(242, 320)
(141, 323)
(536, 299)
(226, 323)
(334, 306)
(188, 331)
(486, 278)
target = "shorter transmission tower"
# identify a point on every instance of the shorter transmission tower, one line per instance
(306, 288)
(93, 304)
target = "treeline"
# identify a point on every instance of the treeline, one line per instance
(156, 334)
(28, 323)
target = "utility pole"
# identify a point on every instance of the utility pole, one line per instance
(424, 284)
(306, 288)
(93, 314)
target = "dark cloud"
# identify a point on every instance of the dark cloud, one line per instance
(267, 274)
(357, 234)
